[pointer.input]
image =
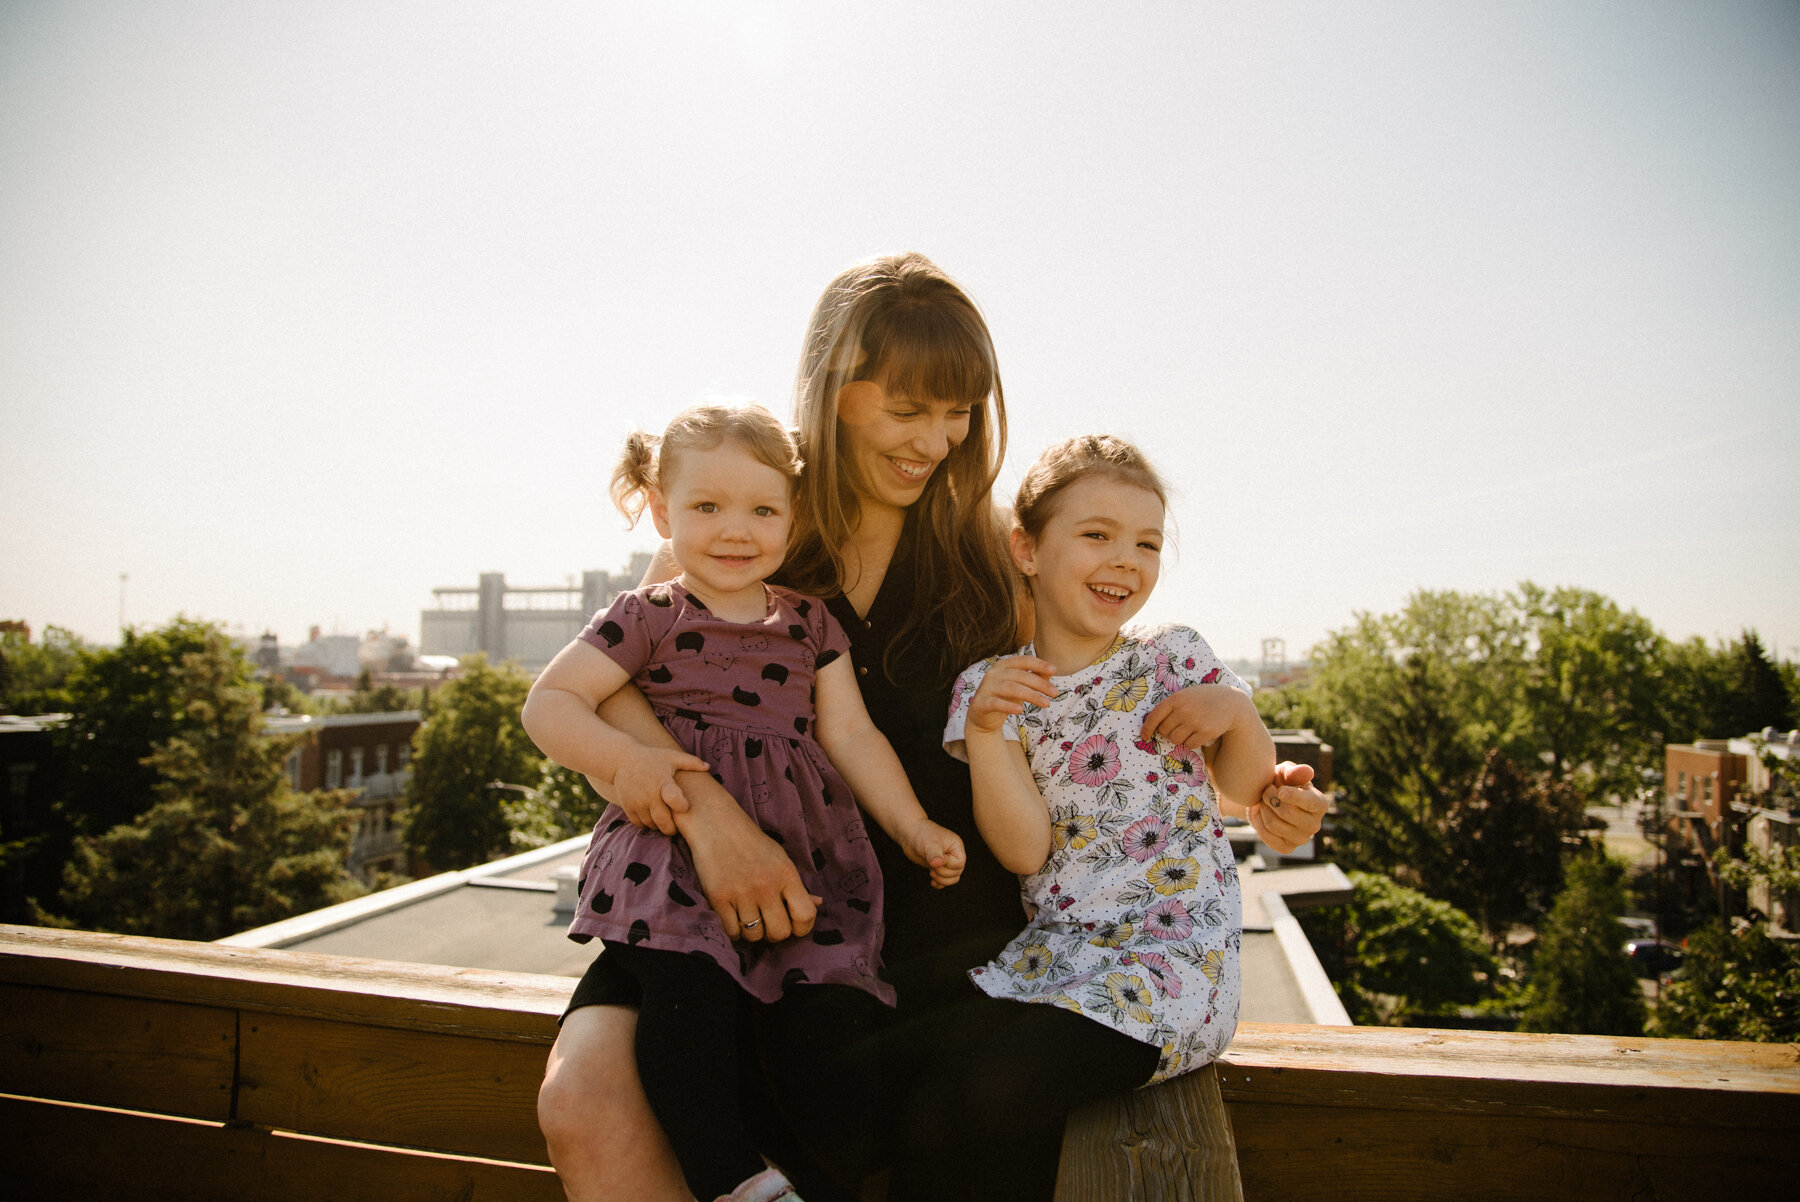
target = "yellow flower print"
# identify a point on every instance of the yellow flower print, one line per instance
(1169, 875)
(1034, 961)
(1214, 965)
(1191, 814)
(1111, 934)
(1074, 832)
(1124, 696)
(1129, 994)
(1065, 1001)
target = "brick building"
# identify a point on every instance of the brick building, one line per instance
(370, 753)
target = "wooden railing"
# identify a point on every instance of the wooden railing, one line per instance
(147, 1068)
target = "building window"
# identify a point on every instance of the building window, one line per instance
(381, 753)
(1706, 791)
(356, 767)
(1681, 785)
(334, 769)
(291, 766)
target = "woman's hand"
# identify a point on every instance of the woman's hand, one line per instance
(644, 787)
(1006, 689)
(1291, 810)
(938, 848)
(748, 879)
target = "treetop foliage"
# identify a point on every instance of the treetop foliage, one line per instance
(32, 675)
(471, 739)
(1582, 982)
(226, 843)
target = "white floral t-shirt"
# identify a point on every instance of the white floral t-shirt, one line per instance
(1135, 918)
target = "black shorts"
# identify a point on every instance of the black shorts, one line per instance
(605, 983)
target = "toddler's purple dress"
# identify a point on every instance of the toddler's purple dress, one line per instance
(740, 696)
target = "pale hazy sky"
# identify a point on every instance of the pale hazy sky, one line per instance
(308, 308)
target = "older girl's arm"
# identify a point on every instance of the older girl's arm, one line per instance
(1009, 810)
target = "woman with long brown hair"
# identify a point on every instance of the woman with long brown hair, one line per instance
(902, 424)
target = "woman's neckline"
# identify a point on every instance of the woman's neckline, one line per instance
(866, 567)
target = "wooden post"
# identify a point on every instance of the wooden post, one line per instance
(1170, 1143)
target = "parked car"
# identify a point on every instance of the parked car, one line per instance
(1654, 958)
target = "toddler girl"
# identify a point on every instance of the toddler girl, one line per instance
(1130, 952)
(756, 684)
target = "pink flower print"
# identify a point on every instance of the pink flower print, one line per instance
(1168, 921)
(1184, 765)
(956, 693)
(1188, 662)
(1146, 838)
(1143, 744)
(1166, 678)
(1210, 677)
(1094, 761)
(1162, 973)
(1151, 777)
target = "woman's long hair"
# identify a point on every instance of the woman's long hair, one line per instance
(900, 319)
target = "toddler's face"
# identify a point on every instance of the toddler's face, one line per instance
(725, 514)
(1097, 559)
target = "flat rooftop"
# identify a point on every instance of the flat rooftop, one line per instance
(503, 916)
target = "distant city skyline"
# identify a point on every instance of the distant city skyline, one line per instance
(306, 311)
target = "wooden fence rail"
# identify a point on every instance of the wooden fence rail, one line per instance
(148, 1068)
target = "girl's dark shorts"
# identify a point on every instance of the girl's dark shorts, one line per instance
(605, 983)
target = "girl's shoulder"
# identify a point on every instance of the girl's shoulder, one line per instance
(1182, 657)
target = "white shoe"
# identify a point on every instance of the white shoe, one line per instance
(767, 1186)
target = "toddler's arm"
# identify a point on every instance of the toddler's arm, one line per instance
(559, 716)
(1009, 810)
(866, 760)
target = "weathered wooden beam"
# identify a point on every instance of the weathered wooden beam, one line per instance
(378, 1085)
(114, 1051)
(383, 993)
(1399, 1114)
(1170, 1143)
(57, 1150)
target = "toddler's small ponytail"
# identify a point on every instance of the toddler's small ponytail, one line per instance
(635, 475)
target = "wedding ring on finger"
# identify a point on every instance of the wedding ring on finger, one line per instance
(754, 922)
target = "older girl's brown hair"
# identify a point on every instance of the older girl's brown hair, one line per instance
(900, 320)
(1077, 459)
(649, 458)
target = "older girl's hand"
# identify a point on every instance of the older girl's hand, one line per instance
(1006, 689)
(1199, 715)
(1291, 810)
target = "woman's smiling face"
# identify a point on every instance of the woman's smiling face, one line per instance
(892, 444)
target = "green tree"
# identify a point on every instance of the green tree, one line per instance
(1591, 697)
(124, 703)
(1503, 846)
(228, 844)
(1759, 697)
(1581, 981)
(471, 740)
(561, 806)
(1394, 952)
(370, 698)
(32, 675)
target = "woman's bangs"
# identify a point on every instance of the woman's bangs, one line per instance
(932, 355)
